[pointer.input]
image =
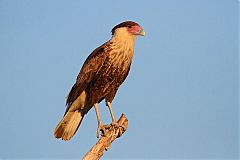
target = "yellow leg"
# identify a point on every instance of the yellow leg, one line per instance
(111, 112)
(100, 125)
(114, 122)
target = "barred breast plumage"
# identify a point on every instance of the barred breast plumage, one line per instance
(112, 74)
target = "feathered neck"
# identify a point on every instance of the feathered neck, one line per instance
(124, 39)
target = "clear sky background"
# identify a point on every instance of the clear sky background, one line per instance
(181, 96)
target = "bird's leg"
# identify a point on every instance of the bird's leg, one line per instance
(114, 122)
(111, 112)
(101, 127)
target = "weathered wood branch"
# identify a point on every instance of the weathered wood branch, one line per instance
(105, 141)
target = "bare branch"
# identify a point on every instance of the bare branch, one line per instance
(105, 141)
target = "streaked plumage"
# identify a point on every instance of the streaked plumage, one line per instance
(103, 72)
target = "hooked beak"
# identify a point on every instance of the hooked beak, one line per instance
(141, 32)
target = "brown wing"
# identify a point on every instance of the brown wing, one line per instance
(89, 69)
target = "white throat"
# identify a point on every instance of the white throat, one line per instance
(123, 40)
(122, 47)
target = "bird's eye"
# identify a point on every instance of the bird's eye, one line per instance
(129, 26)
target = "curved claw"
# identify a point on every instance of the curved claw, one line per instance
(116, 124)
(102, 128)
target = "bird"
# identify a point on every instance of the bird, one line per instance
(100, 77)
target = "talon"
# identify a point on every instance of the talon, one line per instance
(117, 125)
(102, 128)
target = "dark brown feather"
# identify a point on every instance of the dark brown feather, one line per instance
(114, 88)
(89, 69)
(108, 80)
(100, 77)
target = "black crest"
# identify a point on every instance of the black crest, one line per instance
(124, 24)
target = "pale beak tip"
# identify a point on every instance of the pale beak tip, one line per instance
(142, 33)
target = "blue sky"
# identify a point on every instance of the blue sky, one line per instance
(181, 96)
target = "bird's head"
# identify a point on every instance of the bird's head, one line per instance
(128, 28)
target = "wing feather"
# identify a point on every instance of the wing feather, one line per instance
(89, 69)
